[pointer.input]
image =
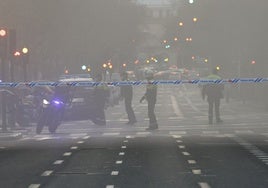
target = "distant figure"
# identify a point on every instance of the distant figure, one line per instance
(214, 93)
(150, 96)
(126, 92)
(101, 94)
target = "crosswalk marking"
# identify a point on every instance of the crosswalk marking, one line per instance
(111, 134)
(243, 132)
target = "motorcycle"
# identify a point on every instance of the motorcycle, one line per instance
(50, 114)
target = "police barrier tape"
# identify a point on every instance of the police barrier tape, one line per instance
(134, 83)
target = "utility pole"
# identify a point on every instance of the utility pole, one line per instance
(11, 58)
(3, 57)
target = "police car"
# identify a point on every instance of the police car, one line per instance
(82, 98)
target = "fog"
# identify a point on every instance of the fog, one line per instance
(66, 34)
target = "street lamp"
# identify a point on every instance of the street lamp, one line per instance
(3, 33)
(194, 19)
(191, 1)
(25, 53)
(84, 67)
(181, 24)
(25, 50)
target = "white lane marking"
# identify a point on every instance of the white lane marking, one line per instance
(47, 173)
(143, 133)
(122, 153)
(175, 118)
(128, 136)
(114, 173)
(244, 132)
(58, 162)
(177, 132)
(191, 103)
(263, 157)
(118, 162)
(122, 120)
(34, 186)
(2, 147)
(186, 153)
(176, 136)
(182, 147)
(252, 149)
(175, 106)
(110, 134)
(203, 185)
(116, 113)
(210, 132)
(79, 135)
(125, 141)
(67, 154)
(178, 141)
(109, 186)
(44, 138)
(191, 161)
(86, 137)
(196, 171)
(74, 147)
(124, 147)
(80, 142)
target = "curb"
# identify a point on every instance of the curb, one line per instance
(10, 136)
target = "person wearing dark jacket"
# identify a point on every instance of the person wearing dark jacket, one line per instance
(101, 95)
(214, 93)
(126, 93)
(150, 96)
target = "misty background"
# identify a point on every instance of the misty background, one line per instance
(70, 33)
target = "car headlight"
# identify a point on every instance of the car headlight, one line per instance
(45, 102)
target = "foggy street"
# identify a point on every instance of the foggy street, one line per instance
(133, 94)
(184, 152)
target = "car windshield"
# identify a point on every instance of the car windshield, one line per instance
(133, 93)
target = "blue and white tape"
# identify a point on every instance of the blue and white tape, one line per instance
(133, 83)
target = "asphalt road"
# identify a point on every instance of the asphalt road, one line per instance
(184, 152)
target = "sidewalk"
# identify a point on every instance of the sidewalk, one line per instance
(12, 134)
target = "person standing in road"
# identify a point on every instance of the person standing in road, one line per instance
(101, 94)
(126, 93)
(214, 93)
(150, 96)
